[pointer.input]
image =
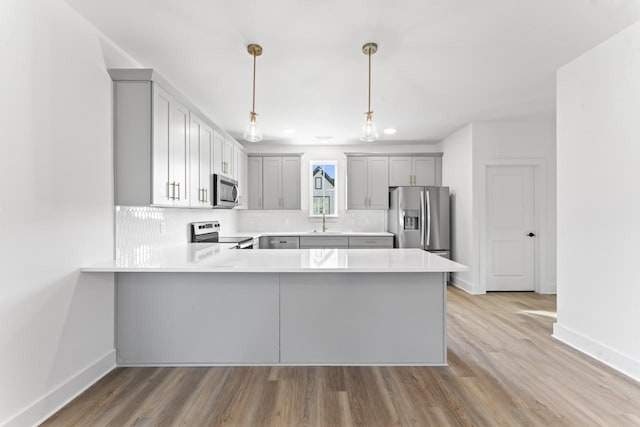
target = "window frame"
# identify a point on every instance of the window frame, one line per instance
(312, 188)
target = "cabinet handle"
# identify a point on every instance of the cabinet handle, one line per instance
(200, 196)
(173, 191)
(169, 190)
(206, 195)
(177, 185)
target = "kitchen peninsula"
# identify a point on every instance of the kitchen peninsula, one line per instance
(204, 304)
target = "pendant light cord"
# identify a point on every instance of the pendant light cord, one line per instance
(369, 105)
(254, 83)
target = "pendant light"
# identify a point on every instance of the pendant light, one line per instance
(252, 133)
(369, 131)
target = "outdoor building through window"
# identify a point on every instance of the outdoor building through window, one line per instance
(323, 188)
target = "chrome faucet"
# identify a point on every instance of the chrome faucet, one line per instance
(324, 225)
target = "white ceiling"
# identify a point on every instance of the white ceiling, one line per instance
(440, 65)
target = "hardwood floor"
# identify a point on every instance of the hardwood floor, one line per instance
(504, 369)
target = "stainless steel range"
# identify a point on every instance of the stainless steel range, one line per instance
(209, 232)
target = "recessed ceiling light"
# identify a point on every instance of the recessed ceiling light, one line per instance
(324, 138)
(288, 131)
(390, 131)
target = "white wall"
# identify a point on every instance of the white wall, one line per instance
(467, 153)
(354, 220)
(457, 174)
(530, 142)
(56, 209)
(599, 203)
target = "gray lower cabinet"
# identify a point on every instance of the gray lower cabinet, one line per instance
(313, 242)
(329, 242)
(279, 242)
(375, 242)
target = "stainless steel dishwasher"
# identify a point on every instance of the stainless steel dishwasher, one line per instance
(279, 242)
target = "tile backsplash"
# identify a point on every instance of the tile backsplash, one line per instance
(364, 221)
(143, 229)
(140, 229)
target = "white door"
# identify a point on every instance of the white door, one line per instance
(510, 219)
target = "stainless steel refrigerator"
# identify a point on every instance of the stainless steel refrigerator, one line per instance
(419, 218)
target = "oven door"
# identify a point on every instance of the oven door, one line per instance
(225, 192)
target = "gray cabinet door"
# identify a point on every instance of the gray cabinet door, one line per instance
(272, 182)
(357, 183)
(290, 183)
(255, 182)
(318, 242)
(227, 159)
(371, 242)
(400, 171)
(162, 192)
(424, 170)
(378, 182)
(179, 153)
(201, 138)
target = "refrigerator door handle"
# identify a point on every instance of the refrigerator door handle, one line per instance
(428, 220)
(422, 223)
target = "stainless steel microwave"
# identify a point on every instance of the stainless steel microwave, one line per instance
(225, 192)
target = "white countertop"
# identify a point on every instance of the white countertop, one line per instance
(218, 258)
(257, 234)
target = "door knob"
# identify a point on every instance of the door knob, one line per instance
(531, 235)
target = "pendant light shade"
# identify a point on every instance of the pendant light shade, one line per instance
(252, 133)
(369, 130)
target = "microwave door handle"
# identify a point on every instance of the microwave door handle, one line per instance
(235, 194)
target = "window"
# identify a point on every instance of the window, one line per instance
(324, 188)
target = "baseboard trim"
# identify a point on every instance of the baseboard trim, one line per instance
(601, 352)
(464, 285)
(50, 403)
(550, 288)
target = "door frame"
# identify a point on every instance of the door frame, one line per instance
(540, 222)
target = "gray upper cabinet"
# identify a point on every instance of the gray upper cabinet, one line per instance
(165, 148)
(274, 182)
(201, 157)
(151, 146)
(367, 182)
(254, 188)
(415, 170)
